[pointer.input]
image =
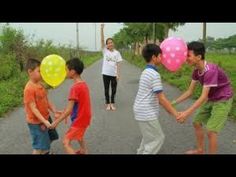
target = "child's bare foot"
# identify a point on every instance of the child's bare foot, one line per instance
(81, 152)
(108, 107)
(195, 151)
(113, 108)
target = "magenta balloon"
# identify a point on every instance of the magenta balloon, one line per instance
(174, 53)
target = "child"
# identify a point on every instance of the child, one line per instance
(146, 106)
(215, 99)
(78, 106)
(36, 108)
(110, 70)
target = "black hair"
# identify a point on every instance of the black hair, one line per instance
(75, 64)
(108, 40)
(149, 50)
(32, 64)
(198, 48)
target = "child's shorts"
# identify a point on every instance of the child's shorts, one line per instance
(75, 133)
(40, 137)
(214, 114)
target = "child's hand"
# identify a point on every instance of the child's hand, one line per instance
(117, 78)
(47, 123)
(54, 124)
(57, 114)
(182, 117)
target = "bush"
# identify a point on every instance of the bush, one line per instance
(8, 67)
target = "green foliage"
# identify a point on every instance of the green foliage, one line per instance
(15, 49)
(139, 32)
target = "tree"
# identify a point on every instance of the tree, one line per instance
(170, 26)
(13, 41)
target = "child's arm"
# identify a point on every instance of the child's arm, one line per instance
(118, 70)
(52, 107)
(38, 114)
(166, 104)
(65, 114)
(196, 104)
(188, 93)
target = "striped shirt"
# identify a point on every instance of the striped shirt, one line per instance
(146, 105)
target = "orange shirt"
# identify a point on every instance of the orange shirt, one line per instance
(38, 94)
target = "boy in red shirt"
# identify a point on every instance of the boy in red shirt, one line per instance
(78, 106)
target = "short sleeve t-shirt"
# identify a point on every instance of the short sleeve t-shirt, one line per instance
(110, 60)
(146, 106)
(38, 94)
(213, 76)
(81, 113)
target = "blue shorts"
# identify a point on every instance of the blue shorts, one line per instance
(40, 137)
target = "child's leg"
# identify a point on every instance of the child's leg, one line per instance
(67, 146)
(201, 118)
(153, 137)
(106, 82)
(212, 137)
(83, 147)
(35, 151)
(199, 132)
(113, 89)
(141, 147)
(219, 115)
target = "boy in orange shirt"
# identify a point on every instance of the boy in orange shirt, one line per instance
(37, 109)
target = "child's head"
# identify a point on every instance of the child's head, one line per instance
(74, 67)
(196, 52)
(152, 54)
(32, 68)
(109, 43)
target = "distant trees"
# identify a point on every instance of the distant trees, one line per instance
(134, 35)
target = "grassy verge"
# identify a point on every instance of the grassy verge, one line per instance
(182, 78)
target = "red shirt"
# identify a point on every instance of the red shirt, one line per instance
(81, 114)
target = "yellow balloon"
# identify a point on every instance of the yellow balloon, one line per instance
(53, 70)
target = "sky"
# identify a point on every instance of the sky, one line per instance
(65, 33)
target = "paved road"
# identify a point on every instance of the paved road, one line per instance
(111, 132)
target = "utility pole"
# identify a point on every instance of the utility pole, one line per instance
(77, 39)
(95, 37)
(204, 33)
(102, 37)
(153, 32)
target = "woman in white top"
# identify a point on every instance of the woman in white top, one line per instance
(110, 70)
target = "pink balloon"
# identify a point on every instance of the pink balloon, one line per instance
(174, 53)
